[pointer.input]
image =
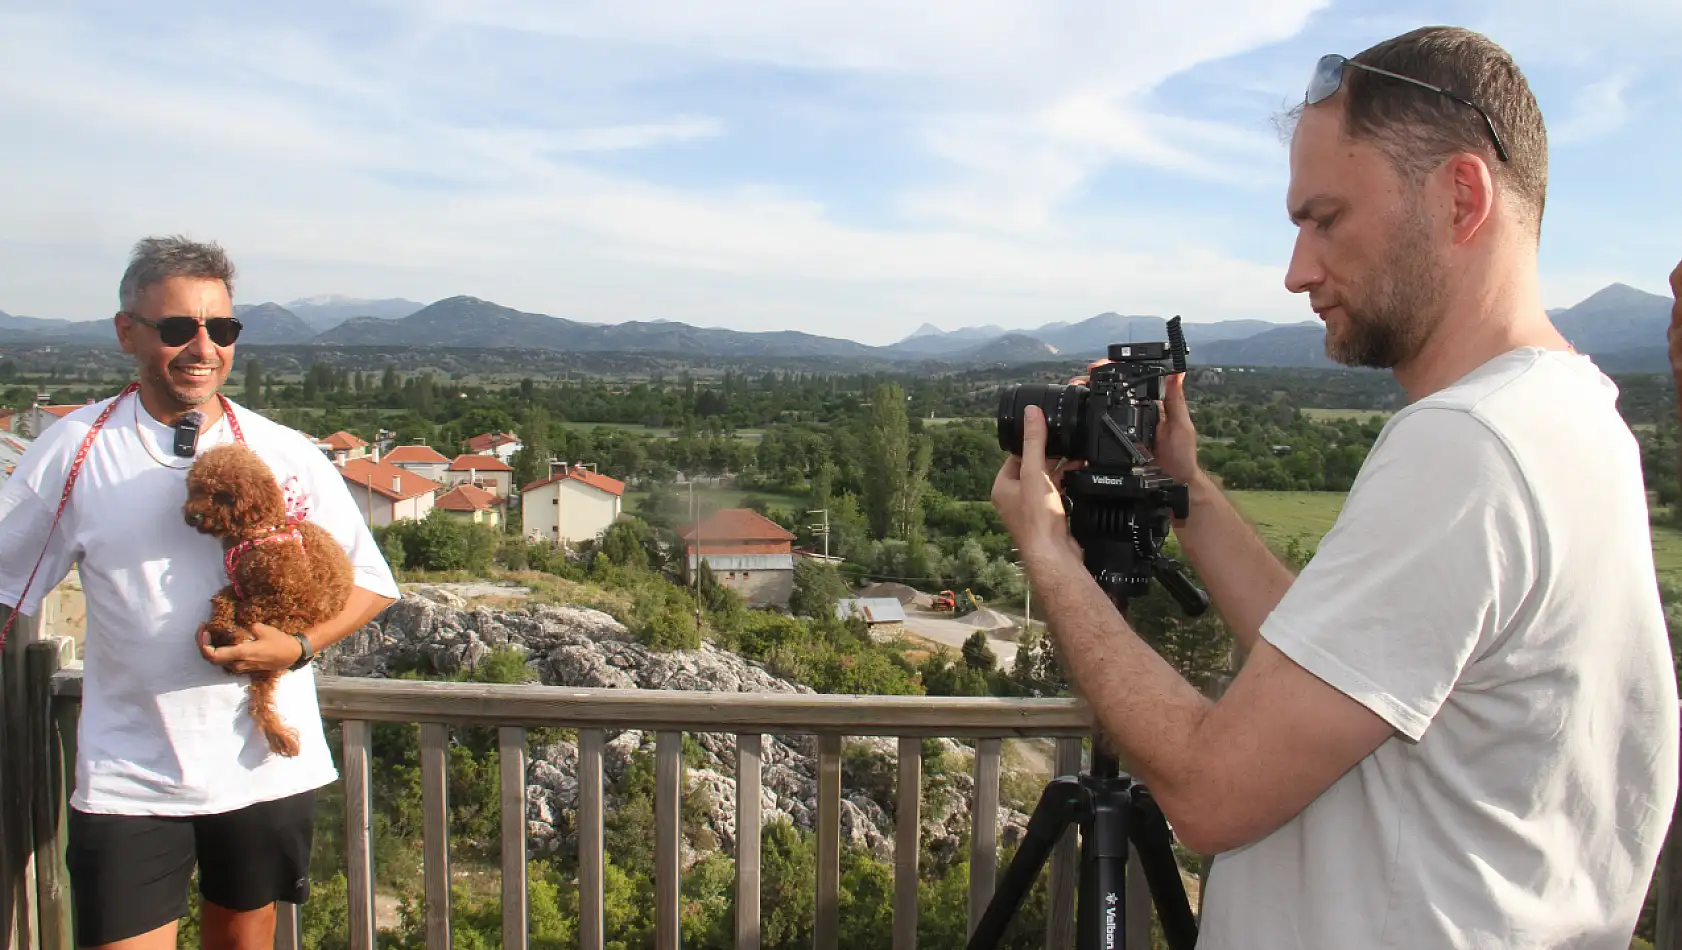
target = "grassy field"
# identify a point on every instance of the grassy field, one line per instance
(745, 435)
(1282, 515)
(712, 499)
(1333, 415)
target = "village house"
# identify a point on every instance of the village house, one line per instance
(342, 447)
(747, 552)
(7, 417)
(503, 445)
(423, 460)
(40, 417)
(476, 505)
(884, 617)
(572, 504)
(385, 493)
(481, 471)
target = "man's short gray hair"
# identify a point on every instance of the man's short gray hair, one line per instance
(157, 259)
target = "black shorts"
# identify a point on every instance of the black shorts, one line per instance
(129, 873)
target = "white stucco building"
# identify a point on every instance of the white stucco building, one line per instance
(573, 504)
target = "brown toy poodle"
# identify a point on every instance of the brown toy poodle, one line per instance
(285, 572)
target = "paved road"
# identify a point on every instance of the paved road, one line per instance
(953, 633)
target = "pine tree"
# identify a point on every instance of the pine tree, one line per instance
(253, 384)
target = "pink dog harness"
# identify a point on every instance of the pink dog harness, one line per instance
(230, 561)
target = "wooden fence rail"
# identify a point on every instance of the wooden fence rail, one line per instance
(37, 752)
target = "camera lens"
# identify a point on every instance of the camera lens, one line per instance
(1064, 408)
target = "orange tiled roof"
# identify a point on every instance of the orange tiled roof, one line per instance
(737, 524)
(467, 498)
(344, 441)
(487, 441)
(479, 463)
(414, 455)
(379, 476)
(612, 486)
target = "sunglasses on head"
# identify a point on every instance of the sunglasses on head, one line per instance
(176, 331)
(1328, 78)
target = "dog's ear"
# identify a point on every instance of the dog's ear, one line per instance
(257, 500)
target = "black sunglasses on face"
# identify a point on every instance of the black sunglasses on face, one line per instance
(176, 331)
(1328, 77)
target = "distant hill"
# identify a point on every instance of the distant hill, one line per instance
(1622, 327)
(327, 312)
(470, 321)
(272, 323)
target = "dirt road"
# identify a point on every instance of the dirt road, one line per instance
(943, 630)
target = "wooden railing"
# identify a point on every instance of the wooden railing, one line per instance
(43, 765)
(41, 702)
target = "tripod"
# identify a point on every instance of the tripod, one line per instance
(1120, 524)
(1111, 809)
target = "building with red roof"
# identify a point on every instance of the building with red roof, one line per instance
(746, 551)
(423, 460)
(574, 503)
(481, 471)
(472, 504)
(385, 493)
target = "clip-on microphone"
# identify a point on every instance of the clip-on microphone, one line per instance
(187, 434)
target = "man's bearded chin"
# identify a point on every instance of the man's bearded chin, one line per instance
(1387, 322)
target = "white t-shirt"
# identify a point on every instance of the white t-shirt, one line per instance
(1489, 591)
(163, 731)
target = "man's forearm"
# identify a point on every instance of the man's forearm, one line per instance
(1244, 579)
(1148, 711)
(362, 606)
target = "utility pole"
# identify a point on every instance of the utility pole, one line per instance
(822, 529)
(695, 570)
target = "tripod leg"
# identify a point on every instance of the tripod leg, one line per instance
(1062, 802)
(1156, 855)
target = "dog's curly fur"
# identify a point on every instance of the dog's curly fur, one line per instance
(233, 495)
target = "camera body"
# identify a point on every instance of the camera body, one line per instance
(1119, 502)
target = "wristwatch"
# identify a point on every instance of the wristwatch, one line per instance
(306, 652)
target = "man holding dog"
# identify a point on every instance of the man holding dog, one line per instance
(1457, 727)
(171, 772)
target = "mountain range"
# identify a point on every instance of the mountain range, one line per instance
(1621, 327)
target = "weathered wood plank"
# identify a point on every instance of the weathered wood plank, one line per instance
(668, 811)
(435, 833)
(51, 794)
(359, 832)
(748, 775)
(288, 929)
(1063, 869)
(511, 765)
(482, 704)
(17, 807)
(590, 912)
(67, 718)
(827, 928)
(908, 802)
(984, 830)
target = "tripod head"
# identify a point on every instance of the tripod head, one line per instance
(1120, 502)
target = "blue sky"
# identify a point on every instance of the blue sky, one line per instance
(846, 168)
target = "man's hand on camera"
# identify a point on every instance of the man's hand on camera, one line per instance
(1027, 494)
(1176, 437)
(268, 649)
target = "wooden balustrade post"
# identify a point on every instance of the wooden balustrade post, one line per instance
(18, 900)
(51, 798)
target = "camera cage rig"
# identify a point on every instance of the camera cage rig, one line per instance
(1119, 506)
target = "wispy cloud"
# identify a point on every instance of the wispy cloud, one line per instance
(848, 168)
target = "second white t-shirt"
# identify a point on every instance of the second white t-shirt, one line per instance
(1489, 591)
(163, 731)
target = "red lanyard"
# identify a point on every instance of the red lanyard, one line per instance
(70, 480)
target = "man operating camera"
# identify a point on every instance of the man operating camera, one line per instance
(1457, 727)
